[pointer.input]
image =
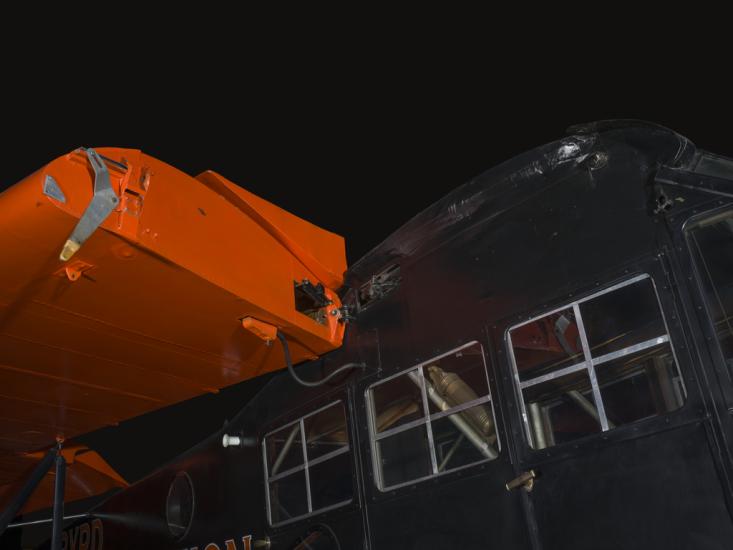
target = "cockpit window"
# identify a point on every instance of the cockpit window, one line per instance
(597, 363)
(435, 418)
(311, 473)
(711, 241)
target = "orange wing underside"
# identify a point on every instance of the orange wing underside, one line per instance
(148, 312)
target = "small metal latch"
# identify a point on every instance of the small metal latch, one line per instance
(524, 480)
(103, 202)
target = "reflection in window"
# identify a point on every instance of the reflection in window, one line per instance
(458, 429)
(712, 246)
(404, 456)
(596, 364)
(547, 345)
(311, 474)
(397, 401)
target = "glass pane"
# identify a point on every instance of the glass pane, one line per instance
(331, 481)
(714, 254)
(457, 378)
(561, 410)
(464, 438)
(284, 449)
(326, 431)
(288, 497)
(397, 401)
(547, 344)
(404, 456)
(622, 318)
(640, 385)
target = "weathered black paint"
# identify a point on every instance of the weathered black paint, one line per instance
(557, 222)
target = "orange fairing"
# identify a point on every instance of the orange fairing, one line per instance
(148, 309)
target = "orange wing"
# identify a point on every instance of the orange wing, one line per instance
(148, 309)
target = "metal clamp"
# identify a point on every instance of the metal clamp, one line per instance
(103, 202)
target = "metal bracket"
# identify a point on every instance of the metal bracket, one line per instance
(345, 315)
(102, 204)
(51, 189)
(316, 293)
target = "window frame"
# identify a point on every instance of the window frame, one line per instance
(426, 421)
(694, 252)
(304, 467)
(589, 362)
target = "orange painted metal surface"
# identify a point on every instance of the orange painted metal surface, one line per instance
(148, 311)
(87, 475)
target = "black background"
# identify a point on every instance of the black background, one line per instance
(355, 147)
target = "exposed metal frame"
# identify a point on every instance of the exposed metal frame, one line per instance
(305, 466)
(426, 420)
(589, 363)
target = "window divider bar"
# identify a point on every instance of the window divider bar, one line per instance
(591, 371)
(552, 375)
(327, 456)
(460, 408)
(401, 428)
(426, 405)
(435, 416)
(286, 473)
(631, 349)
(313, 462)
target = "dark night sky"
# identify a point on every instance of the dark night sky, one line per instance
(358, 154)
(354, 154)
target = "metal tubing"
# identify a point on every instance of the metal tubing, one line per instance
(538, 428)
(482, 446)
(15, 505)
(58, 502)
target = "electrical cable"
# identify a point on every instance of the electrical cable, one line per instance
(313, 383)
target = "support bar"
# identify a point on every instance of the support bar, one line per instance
(17, 503)
(58, 502)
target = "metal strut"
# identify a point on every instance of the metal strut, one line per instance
(35, 478)
(103, 202)
(53, 456)
(58, 500)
